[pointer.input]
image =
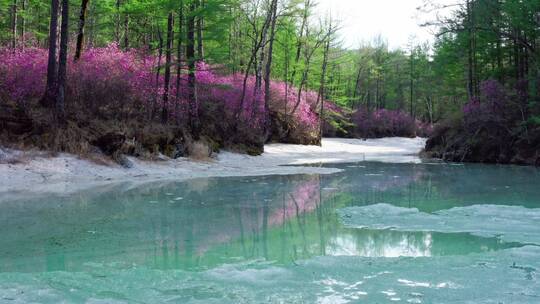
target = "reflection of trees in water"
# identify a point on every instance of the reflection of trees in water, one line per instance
(377, 243)
(208, 222)
(487, 184)
(169, 225)
(431, 187)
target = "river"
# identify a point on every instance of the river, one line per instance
(376, 232)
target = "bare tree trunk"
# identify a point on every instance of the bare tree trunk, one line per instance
(400, 93)
(62, 63)
(257, 45)
(471, 86)
(259, 63)
(268, 68)
(200, 25)
(308, 54)
(307, 5)
(52, 72)
(356, 86)
(92, 24)
(230, 38)
(377, 92)
(264, 41)
(368, 95)
(165, 112)
(321, 95)
(429, 108)
(158, 72)
(179, 58)
(301, 87)
(412, 83)
(286, 76)
(14, 24)
(80, 32)
(192, 78)
(126, 31)
(23, 20)
(117, 23)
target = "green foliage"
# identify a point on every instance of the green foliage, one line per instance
(535, 121)
(430, 82)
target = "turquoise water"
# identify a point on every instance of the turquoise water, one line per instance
(375, 233)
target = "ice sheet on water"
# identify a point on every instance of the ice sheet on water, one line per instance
(507, 276)
(509, 223)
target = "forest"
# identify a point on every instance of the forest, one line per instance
(185, 77)
(269, 151)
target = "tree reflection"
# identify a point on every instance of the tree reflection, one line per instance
(205, 223)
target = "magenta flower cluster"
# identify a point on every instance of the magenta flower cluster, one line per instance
(384, 123)
(109, 80)
(496, 106)
(22, 73)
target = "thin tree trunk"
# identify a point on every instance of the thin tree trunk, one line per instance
(52, 72)
(411, 76)
(470, 53)
(268, 68)
(23, 20)
(92, 24)
(158, 72)
(62, 63)
(80, 32)
(117, 23)
(301, 88)
(264, 41)
(126, 31)
(14, 24)
(200, 25)
(259, 64)
(400, 93)
(476, 80)
(165, 112)
(179, 58)
(257, 45)
(192, 78)
(357, 85)
(368, 95)
(308, 55)
(377, 93)
(286, 76)
(307, 5)
(321, 95)
(230, 38)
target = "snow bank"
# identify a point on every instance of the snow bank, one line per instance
(67, 173)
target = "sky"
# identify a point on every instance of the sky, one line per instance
(363, 20)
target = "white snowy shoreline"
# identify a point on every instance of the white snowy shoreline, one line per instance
(67, 173)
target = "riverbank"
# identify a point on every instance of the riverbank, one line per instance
(491, 144)
(40, 173)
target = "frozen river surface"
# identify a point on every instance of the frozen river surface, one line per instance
(375, 233)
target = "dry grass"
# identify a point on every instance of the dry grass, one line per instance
(14, 155)
(200, 150)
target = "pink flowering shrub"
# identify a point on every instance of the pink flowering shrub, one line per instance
(22, 73)
(496, 107)
(493, 128)
(113, 84)
(110, 83)
(384, 123)
(223, 93)
(302, 124)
